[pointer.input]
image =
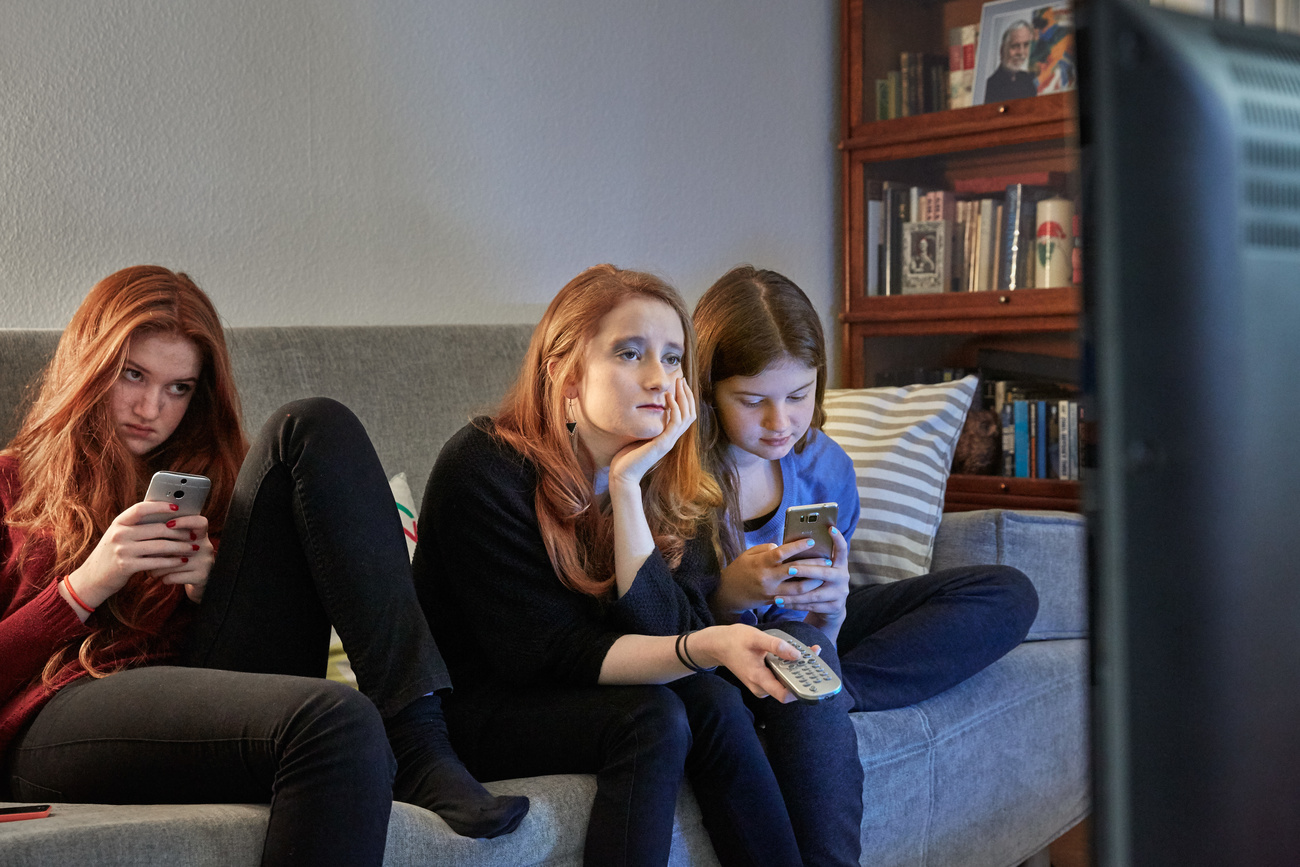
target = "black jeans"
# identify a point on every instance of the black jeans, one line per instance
(640, 742)
(312, 538)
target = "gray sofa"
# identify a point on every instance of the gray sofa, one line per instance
(985, 775)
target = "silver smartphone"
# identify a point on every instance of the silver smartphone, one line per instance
(187, 491)
(812, 522)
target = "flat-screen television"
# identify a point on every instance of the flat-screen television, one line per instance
(1190, 140)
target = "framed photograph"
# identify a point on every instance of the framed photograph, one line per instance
(926, 263)
(1026, 48)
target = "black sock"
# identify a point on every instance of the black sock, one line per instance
(431, 775)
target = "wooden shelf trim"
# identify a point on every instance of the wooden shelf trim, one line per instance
(967, 312)
(1017, 121)
(966, 493)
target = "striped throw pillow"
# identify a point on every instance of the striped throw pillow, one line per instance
(901, 441)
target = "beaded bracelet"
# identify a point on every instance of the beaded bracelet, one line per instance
(684, 653)
(76, 598)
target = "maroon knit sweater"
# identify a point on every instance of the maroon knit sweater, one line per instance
(35, 622)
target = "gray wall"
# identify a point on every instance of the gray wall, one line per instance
(411, 161)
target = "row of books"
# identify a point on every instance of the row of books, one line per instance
(927, 82)
(976, 237)
(1041, 438)
(920, 85)
(1039, 430)
(1044, 429)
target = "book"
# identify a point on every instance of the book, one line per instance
(1020, 417)
(971, 245)
(1063, 438)
(909, 73)
(1052, 463)
(969, 40)
(882, 99)
(895, 80)
(955, 61)
(926, 263)
(895, 213)
(997, 246)
(1018, 234)
(1075, 437)
(939, 205)
(1007, 418)
(986, 240)
(875, 221)
(934, 71)
(958, 255)
(1037, 426)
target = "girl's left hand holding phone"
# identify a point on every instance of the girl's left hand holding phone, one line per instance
(825, 602)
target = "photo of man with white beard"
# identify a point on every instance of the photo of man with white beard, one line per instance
(1013, 78)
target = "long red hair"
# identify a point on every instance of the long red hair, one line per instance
(77, 476)
(577, 528)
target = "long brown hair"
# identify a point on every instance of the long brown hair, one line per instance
(577, 530)
(76, 474)
(745, 322)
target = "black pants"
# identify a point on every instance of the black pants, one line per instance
(901, 643)
(640, 742)
(312, 538)
(813, 750)
(905, 641)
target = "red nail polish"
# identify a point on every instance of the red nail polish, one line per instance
(174, 507)
(195, 547)
(185, 559)
(171, 523)
(193, 535)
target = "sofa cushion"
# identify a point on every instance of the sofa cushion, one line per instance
(1049, 547)
(901, 441)
(998, 763)
(231, 835)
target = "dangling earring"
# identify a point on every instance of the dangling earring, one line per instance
(571, 422)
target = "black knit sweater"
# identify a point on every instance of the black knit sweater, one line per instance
(498, 610)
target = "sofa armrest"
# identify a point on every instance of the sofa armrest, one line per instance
(1049, 547)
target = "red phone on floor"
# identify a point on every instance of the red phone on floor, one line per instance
(24, 811)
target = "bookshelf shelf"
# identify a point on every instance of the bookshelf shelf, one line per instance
(967, 493)
(941, 150)
(1019, 121)
(1038, 310)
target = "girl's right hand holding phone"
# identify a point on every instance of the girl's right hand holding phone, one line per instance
(129, 546)
(761, 573)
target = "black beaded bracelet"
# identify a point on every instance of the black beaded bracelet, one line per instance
(684, 653)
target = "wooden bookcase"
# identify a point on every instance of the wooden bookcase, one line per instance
(945, 330)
